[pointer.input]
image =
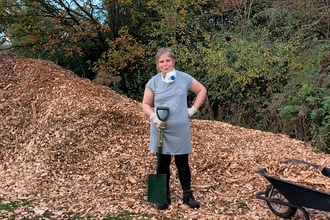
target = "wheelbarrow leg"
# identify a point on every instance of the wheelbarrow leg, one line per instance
(304, 211)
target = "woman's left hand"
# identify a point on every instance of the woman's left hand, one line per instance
(191, 111)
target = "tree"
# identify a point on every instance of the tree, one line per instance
(66, 32)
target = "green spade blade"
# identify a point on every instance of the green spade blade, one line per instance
(157, 188)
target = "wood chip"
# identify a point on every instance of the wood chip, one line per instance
(72, 147)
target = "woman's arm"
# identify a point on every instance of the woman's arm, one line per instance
(147, 102)
(200, 91)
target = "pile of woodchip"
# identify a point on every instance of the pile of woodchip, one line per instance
(74, 148)
(302, 174)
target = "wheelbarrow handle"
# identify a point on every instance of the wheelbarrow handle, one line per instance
(164, 110)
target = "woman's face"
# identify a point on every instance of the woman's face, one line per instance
(165, 64)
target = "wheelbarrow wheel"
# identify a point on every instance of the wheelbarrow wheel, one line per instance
(280, 210)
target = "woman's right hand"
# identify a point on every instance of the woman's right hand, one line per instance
(160, 125)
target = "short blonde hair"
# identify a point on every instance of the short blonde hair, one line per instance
(162, 51)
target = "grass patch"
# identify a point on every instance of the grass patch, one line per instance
(7, 210)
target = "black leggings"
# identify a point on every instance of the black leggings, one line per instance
(182, 164)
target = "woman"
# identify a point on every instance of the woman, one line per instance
(170, 88)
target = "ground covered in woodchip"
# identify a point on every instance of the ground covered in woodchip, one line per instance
(73, 147)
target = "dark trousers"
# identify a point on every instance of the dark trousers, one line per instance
(182, 164)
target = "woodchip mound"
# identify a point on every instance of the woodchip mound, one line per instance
(73, 147)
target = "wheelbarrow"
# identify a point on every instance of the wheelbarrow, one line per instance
(284, 197)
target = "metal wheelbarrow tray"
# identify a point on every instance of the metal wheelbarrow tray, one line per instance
(284, 198)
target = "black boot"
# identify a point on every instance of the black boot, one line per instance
(164, 205)
(189, 199)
